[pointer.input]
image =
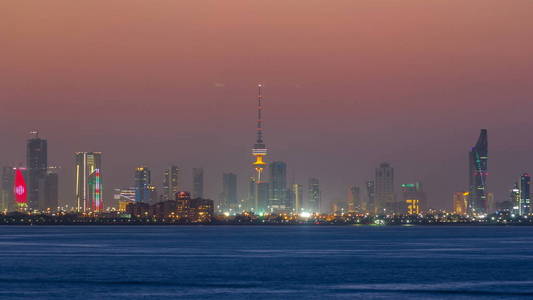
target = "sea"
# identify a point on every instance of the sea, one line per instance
(266, 262)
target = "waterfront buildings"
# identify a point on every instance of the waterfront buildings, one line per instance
(384, 188)
(414, 197)
(88, 167)
(198, 182)
(279, 196)
(143, 180)
(37, 165)
(477, 165)
(313, 204)
(182, 208)
(229, 191)
(170, 182)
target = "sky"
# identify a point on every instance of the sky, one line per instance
(347, 85)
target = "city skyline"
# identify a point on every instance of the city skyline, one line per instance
(353, 91)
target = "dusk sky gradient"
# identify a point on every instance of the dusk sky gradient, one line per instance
(348, 84)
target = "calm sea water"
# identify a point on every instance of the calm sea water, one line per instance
(271, 262)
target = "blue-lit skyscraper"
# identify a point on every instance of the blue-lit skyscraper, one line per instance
(142, 183)
(477, 163)
(279, 199)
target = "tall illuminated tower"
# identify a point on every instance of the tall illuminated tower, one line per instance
(87, 163)
(477, 164)
(259, 152)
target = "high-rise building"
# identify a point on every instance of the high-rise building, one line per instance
(20, 190)
(49, 191)
(514, 198)
(229, 191)
(198, 183)
(371, 197)
(171, 182)
(143, 179)
(414, 197)
(87, 163)
(297, 197)
(37, 164)
(477, 165)
(460, 203)
(94, 192)
(491, 205)
(152, 194)
(314, 196)
(279, 200)
(354, 203)
(262, 196)
(525, 200)
(385, 198)
(7, 201)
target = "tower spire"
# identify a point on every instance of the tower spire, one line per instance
(259, 117)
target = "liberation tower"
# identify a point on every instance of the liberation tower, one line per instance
(260, 190)
(259, 151)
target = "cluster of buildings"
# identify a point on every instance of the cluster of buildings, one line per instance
(34, 187)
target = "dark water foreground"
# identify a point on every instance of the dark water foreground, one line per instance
(270, 262)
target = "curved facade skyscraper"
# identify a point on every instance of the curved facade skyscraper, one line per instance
(477, 163)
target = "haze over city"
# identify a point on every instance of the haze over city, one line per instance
(346, 87)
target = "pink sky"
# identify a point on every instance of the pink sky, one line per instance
(348, 84)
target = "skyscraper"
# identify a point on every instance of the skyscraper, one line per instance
(20, 190)
(278, 184)
(297, 197)
(49, 191)
(514, 197)
(371, 197)
(229, 191)
(37, 164)
(198, 183)
(143, 179)
(354, 203)
(87, 163)
(460, 202)
(414, 197)
(525, 201)
(314, 196)
(6, 188)
(477, 165)
(262, 196)
(171, 182)
(385, 198)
